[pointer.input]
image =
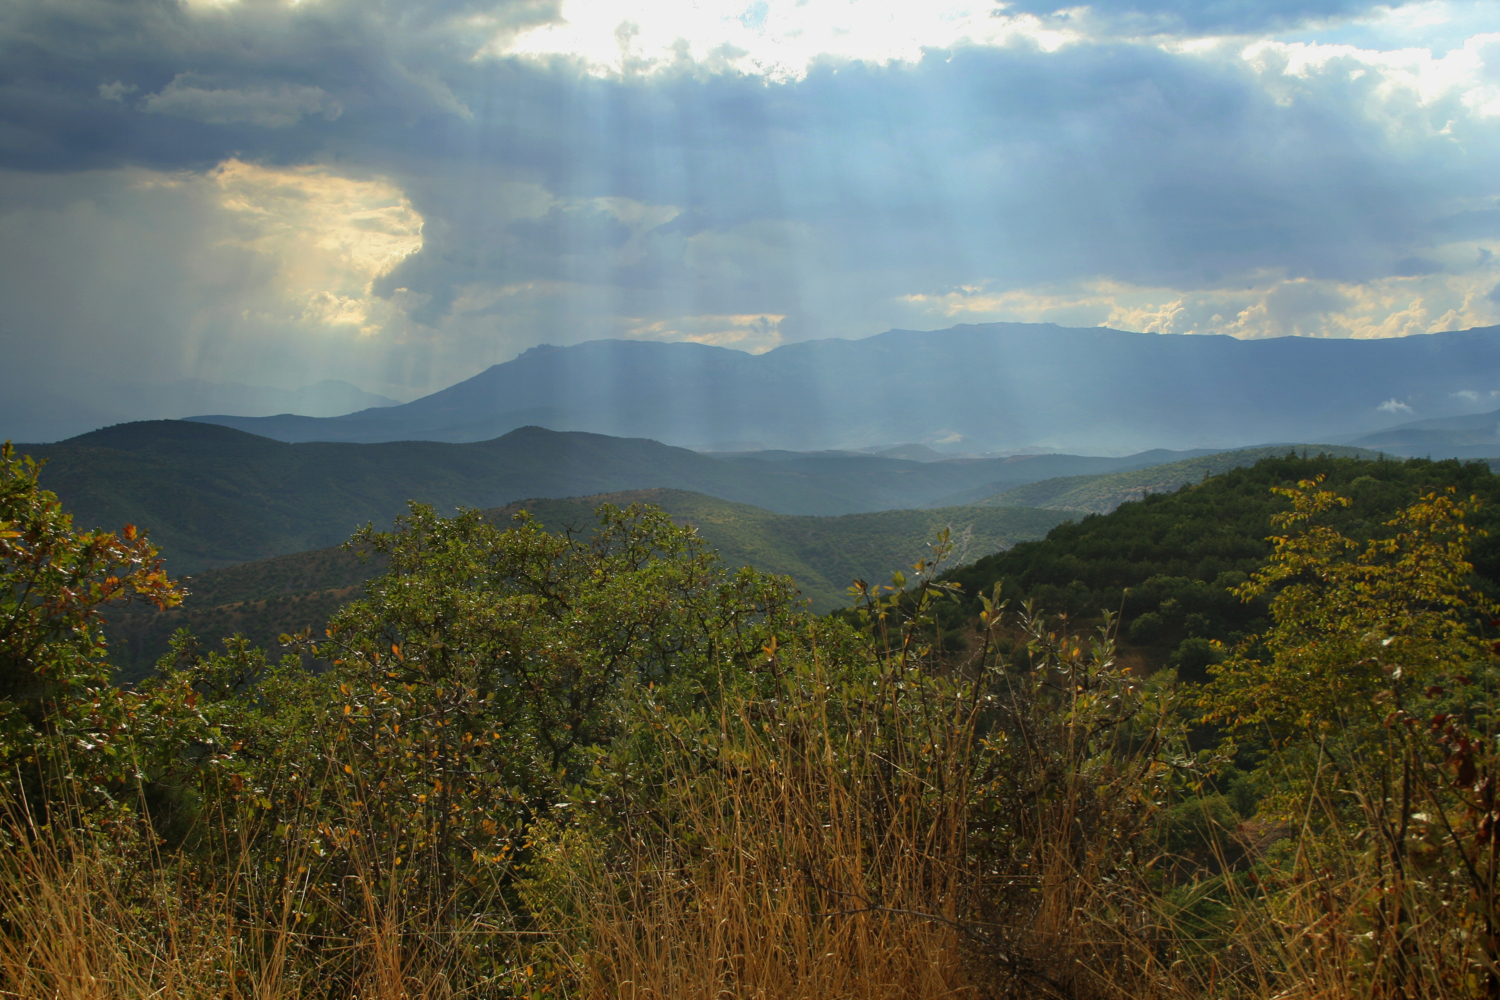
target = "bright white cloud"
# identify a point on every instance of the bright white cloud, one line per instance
(754, 333)
(325, 237)
(778, 39)
(1394, 78)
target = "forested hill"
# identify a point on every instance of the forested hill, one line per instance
(1178, 552)
(1103, 492)
(269, 597)
(214, 496)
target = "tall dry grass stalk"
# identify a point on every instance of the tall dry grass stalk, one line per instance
(86, 921)
(808, 843)
(802, 856)
(88, 916)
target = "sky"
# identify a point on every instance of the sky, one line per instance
(399, 194)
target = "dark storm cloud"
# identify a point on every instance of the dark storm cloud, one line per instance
(1110, 159)
(557, 206)
(93, 83)
(1118, 160)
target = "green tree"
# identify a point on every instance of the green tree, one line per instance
(489, 679)
(59, 714)
(1370, 702)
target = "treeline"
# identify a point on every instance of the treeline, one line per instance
(1167, 564)
(527, 765)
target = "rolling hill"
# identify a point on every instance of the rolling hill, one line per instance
(823, 554)
(994, 387)
(1100, 494)
(213, 496)
(1476, 435)
(266, 598)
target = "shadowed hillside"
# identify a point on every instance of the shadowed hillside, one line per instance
(213, 496)
(1101, 494)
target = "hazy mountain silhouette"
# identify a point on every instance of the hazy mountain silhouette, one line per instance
(974, 388)
(1473, 435)
(214, 496)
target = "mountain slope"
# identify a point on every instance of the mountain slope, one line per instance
(1003, 386)
(1100, 494)
(266, 598)
(213, 496)
(1475, 435)
(823, 554)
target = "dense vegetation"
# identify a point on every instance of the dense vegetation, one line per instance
(604, 765)
(1165, 564)
(264, 599)
(824, 555)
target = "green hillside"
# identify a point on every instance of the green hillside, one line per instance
(285, 594)
(1100, 494)
(823, 554)
(1172, 555)
(212, 496)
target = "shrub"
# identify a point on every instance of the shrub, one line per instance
(1147, 628)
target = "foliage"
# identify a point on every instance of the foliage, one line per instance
(58, 711)
(479, 687)
(263, 599)
(822, 554)
(1178, 555)
(598, 763)
(1370, 700)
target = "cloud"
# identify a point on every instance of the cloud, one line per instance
(248, 271)
(399, 194)
(273, 106)
(1394, 406)
(1264, 306)
(775, 39)
(1195, 16)
(756, 334)
(116, 91)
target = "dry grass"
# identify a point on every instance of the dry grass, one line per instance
(800, 848)
(108, 918)
(791, 868)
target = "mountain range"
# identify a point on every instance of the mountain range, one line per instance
(1474, 435)
(972, 388)
(214, 496)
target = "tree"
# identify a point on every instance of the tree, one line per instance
(1371, 702)
(59, 715)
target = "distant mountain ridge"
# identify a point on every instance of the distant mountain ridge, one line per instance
(1102, 493)
(214, 496)
(980, 388)
(1474, 435)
